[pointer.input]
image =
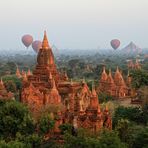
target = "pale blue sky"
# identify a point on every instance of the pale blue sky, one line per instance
(74, 23)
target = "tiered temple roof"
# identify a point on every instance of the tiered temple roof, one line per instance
(46, 86)
(115, 86)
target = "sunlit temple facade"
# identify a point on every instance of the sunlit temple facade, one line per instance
(115, 85)
(47, 86)
(134, 66)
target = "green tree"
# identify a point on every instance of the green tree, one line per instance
(110, 139)
(103, 97)
(14, 117)
(32, 140)
(139, 78)
(141, 141)
(13, 79)
(134, 114)
(123, 129)
(45, 124)
(10, 86)
(65, 128)
(105, 139)
(12, 144)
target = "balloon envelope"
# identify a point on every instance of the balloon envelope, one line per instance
(27, 40)
(36, 45)
(115, 43)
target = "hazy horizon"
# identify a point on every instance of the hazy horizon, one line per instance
(81, 24)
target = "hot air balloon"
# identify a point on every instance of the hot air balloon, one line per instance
(115, 43)
(36, 45)
(27, 40)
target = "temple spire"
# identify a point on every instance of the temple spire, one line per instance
(104, 75)
(104, 71)
(45, 44)
(18, 74)
(117, 70)
(25, 77)
(93, 90)
(28, 72)
(110, 73)
(1, 82)
(83, 80)
(110, 78)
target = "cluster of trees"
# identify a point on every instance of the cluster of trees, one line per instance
(132, 125)
(139, 78)
(130, 130)
(19, 129)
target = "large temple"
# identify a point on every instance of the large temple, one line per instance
(46, 86)
(115, 86)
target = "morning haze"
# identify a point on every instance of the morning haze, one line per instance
(74, 24)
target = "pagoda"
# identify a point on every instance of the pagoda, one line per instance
(115, 85)
(47, 86)
(134, 66)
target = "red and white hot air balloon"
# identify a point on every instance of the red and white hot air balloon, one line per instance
(27, 40)
(115, 43)
(36, 45)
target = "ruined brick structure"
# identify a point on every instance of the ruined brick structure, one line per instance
(135, 65)
(4, 94)
(46, 86)
(115, 86)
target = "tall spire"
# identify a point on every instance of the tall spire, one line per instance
(104, 71)
(1, 82)
(83, 81)
(117, 75)
(18, 74)
(104, 75)
(110, 72)
(93, 90)
(110, 78)
(25, 77)
(45, 44)
(28, 72)
(117, 70)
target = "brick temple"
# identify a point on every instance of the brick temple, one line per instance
(47, 86)
(4, 94)
(116, 85)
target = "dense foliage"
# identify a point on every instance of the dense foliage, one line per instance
(139, 78)
(104, 139)
(14, 118)
(133, 114)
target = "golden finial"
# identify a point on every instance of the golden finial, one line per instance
(45, 44)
